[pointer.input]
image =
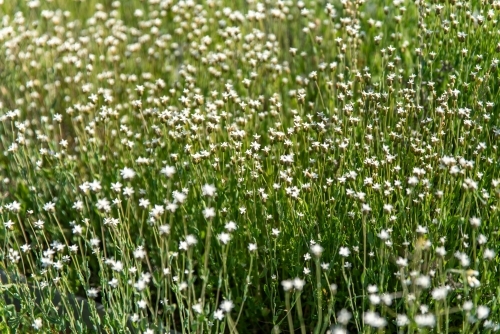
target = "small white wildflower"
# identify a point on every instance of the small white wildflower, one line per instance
(92, 293)
(197, 308)
(37, 324)
(440, 293)
(383, 235)
(298, 283)
(168, 171)
(231, 226)
(208, 213)
(208, 190)
(488, 254)
(127, 173)
(49, 207)
(402, 320)
(373, 319)
(191, 240)
(77, 229)
(402, 262)
(252, 247)
(113, 283)
(425, 320)
(224, 238)
(423, 281)
(475, 222)
(219, 315)
(344, 316)
(142, 304)
(226, 305)
(316, 249)
(117, 266)
(164, 229)
(482, 312)
(287, 285)
(344, 251)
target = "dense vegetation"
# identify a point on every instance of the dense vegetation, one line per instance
(251, 167)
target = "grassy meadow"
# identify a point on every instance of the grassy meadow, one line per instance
(250, 167)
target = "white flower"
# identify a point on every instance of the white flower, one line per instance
(388, 208)
(425, 320)
(49, 207)
(373, 319)
(422, 229)
(344, 251)
(475, 222)
(113, 283)
(140, 285)
(78, 205)
(179, 197)
(374, 299)
(365, 208)
(117, 266)
(441, 251)
(298, 283)
(208, 213)
(224, 237)
(226, 305)
(468, 305)
(8, 224)
(231, 226)
(25, 248)
(92, 293)
(128, 191)
(127, 173)
(39, 224)
(384, 235)
(275, 232)
(488, 254)
(423, 281)
(139, 253)
(344, 316)
(37, 324)
(77, 229)
(482, 312)
(287, 284)
(440, 293)
(95, 186)
(402, 320)
(252, 247)
(142, 304)
(103, 204)
(183, 245)
(144, 202)
(219, 315)
(191, 240)
(402, 262)
(197, 308)
(168, 171)
(164, 229)
(157, 211)
(208, 190)
(316, 249)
